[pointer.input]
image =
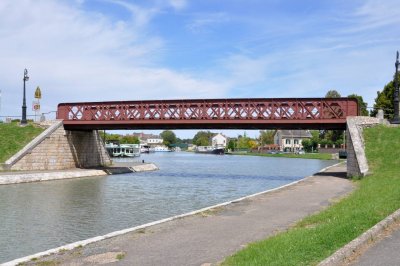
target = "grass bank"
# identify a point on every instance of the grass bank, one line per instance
(318, 236)
(13, 138)
(319, 156)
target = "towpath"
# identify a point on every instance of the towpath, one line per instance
(207, 238)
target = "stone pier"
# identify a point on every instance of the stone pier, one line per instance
(58, 149)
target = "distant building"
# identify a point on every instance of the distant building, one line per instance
(290, 140)
(148, 139)
(219, 141)
(191, 147)
(155, 141)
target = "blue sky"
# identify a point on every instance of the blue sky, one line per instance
(96, 50)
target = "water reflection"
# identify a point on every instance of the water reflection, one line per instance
(39, 216)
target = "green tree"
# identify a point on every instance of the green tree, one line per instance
(246, 143)
(115, 137)
(384, 100)
(266, 137)
(307, 145)
(232, 145)
(311, 145)
(361, 104)
(187, 141)
(331, 136)
(332, 94)
(334, 137)
(128, 139)
(243, 143)
(202, 138)
(168, 137)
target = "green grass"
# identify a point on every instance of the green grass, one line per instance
(13, 138)
(320, 156)
(120, 256)
(318, 236)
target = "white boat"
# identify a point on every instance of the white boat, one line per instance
(130, 150)
(113, 149)
(146, 149)
(210, 150)
(161, 149)
(123, 150)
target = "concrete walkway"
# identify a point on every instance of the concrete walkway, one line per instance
(209, 237)
(385, 251)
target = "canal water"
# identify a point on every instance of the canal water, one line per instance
(38, 216)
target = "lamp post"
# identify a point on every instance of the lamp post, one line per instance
(23, 120)
(396, 119)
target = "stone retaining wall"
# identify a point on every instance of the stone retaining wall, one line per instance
(57, 149)
(357, 164)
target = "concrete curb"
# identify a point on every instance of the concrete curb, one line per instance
(18, 178)
(144, 167)
(38, 177)
(339, 257)
(128, 230)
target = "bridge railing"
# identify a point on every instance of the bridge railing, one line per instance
(220, 109)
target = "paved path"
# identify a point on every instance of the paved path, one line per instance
(384, 252)
(211, 236)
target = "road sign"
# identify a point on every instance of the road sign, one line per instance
(38, 93)
(35, 106)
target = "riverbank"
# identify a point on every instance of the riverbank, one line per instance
(208, 235)
(317, 156)
(17, 177)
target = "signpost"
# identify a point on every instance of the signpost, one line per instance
(36, 104)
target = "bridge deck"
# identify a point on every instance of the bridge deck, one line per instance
(283, 113)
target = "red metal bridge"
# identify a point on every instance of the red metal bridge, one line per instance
(282, 113)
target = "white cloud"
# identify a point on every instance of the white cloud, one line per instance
(378, 12)
(373, 15)
(178, 4)
(141, 16)
(76, 55)
(310, 59)
(203, 22)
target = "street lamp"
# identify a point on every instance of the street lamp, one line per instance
(396, 119)
(23, 120)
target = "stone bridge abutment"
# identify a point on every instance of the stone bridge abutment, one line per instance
(58, 149)
(357, 164)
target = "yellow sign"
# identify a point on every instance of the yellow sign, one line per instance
(38, 93)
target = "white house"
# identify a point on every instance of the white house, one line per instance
(148, 139)
(219, 141)
(290, 140)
